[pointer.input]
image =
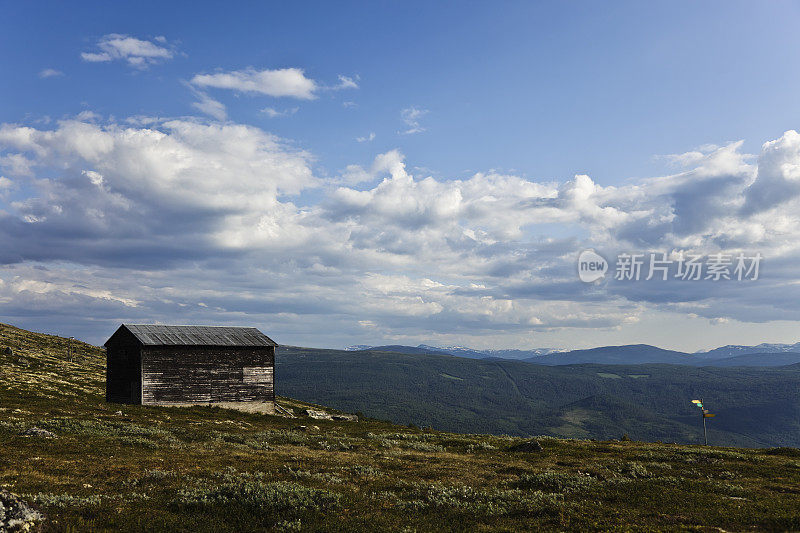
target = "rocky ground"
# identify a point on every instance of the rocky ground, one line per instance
(17, 515)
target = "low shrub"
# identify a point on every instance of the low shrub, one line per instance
(363, 470)
(63, 501)
(423, 446)
(158, 474)
(555, 482)
(481, 446)
(257, 496)
(281, 436)
(325, 477)
(470, 500)
(140, 442)
(629, 469)
(784, 451)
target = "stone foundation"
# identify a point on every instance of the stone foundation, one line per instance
(267, 408)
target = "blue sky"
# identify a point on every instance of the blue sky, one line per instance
(508, 101)
(548, 89)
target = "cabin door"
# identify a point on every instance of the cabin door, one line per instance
(135, 374)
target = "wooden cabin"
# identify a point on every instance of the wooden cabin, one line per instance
(191, 365)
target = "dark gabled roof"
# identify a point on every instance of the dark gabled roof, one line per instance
(156, 335)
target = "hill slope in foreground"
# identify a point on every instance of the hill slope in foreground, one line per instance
(209, 469)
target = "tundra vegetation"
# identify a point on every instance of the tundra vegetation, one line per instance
(107, 467)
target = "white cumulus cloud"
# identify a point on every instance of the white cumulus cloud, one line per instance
(346, 82)
(271, 112)
(50, 73)
(138, 53)
(284, 82)
(411, 116)
(209, 106)
(186, 220)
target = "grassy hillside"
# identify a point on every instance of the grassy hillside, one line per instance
(754, 406)
(133, 468)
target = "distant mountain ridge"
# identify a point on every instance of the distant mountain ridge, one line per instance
(732, 350)
(458, 351)
(633, 354)
(616, 355)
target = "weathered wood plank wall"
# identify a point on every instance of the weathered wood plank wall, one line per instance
(197, 374)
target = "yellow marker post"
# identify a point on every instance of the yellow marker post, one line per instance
(705, 414)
